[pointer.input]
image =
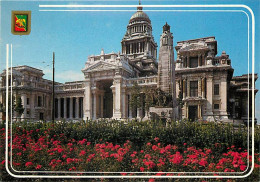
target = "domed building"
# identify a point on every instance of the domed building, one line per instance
(197, 86)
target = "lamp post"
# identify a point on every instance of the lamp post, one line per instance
(53, 93)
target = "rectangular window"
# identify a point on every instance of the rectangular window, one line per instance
(216, 89)
(216, 106)
(193, 62)
(28, 101)
(28, 112)
(194, 89)
(39, 101)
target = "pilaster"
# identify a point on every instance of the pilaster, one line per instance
(87, 106)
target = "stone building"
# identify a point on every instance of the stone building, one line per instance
(201, 83)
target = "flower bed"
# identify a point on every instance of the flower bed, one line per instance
(43, 150)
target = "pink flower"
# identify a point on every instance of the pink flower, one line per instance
(142, 169)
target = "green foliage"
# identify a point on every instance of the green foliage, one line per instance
(135, 101)
(196, 134)
(19, 106)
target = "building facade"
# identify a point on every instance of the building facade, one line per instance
(201, 83)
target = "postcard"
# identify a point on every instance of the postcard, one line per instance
(129, 90)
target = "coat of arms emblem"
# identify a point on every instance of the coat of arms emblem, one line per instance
(21, 22)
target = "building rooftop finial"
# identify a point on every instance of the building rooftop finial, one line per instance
(139, 7)
(166, 27)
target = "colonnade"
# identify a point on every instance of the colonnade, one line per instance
(69, 108)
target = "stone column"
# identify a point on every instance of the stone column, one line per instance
(188, 61)
(203, 88)
(77, 108)
(65, 108)
(131, 48)
(59, 108)
(203, 59)
(199, 110)
(123, 105)
(188, 87)
(199, 60)
(139, 113)
(210, 98)
(118, 98)
(87, 106)
(94, 96)
(32, 106)
(102, 105)
(184, 88)
(71, 107)
(24, 99)
(129, 108)
(223, 95)
(139, 47)
(200, 87)
(186, 110)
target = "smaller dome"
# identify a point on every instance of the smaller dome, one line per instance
(140, 15)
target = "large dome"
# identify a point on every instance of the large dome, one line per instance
(140, 15)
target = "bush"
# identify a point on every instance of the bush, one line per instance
(196, 134)
(133, 146)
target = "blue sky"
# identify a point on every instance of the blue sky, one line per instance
(73, 36)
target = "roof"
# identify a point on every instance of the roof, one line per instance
(193, 47)
(140, 15)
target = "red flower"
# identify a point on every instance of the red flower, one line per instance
(60, 150)
(3, 162)
(82, 153)
(256, 165)
(243, 167)
(142, 169)
(27, 164)
(38, 166)
(154, 147)
(151, 180)
(185, 144)
(156, 139)
(177, 158)
(203, 162)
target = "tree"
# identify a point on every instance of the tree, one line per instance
(180, 103)
(19, 106)
(3, 106)
(135, 101)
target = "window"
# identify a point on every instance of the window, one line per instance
(216, 89)
(28, 112)
(193, 62)
(194, 89)
(39, 101)
(216, 106)
(28, 101)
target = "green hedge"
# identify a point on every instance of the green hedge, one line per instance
(201, 135)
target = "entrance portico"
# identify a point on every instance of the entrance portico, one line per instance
(105, 93)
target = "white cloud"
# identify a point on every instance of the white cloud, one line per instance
(67, 76)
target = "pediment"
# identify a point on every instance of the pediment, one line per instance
(101, 66)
